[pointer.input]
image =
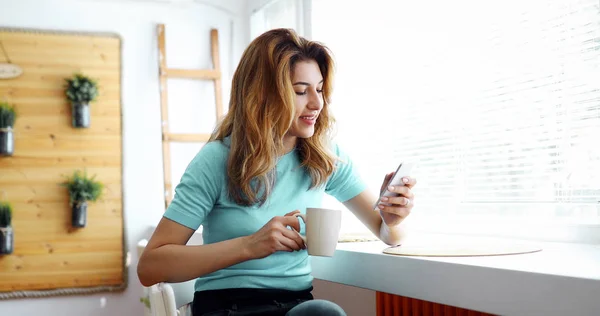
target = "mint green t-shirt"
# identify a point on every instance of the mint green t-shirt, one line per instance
(201, 198)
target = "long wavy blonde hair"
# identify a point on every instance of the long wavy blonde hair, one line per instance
(261, 111)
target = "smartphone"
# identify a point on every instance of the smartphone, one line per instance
(403, 170)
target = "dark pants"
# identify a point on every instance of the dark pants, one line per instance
(246, 302)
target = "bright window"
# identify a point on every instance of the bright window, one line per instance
(498, 102)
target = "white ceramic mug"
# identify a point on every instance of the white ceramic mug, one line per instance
(322, 230)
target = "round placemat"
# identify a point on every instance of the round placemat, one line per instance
(461, 250)
(356, 238)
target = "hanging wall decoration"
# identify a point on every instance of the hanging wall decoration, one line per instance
(8, 70)
(80, 91)
(7, 122)
(50, 256)
(81, 190)
(6, 232)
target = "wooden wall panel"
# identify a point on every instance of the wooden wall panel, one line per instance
(48, 253)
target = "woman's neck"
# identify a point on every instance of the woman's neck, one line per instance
(289, 143)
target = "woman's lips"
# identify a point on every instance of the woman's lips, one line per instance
(309, 120)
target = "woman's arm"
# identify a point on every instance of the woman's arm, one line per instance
(167, 258)
(387, 223)
(362, 207)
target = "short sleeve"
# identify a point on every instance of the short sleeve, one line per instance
(199, 187)
(345, 182)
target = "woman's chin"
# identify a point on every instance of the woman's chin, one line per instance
(302, 133)
(307, 134)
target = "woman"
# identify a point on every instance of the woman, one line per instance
(269, 159)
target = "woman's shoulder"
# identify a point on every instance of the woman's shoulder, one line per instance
(337, 150)
(215, 147)
(213, 153)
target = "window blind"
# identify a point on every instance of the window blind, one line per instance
(498, 102)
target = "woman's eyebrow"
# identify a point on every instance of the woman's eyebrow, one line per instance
(305, 83)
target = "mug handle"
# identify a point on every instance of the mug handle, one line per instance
(304, 220)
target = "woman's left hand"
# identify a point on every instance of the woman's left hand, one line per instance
(395, 209)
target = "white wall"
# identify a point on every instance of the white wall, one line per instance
(135, 22)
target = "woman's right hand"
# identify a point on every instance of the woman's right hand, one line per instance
(276, 236)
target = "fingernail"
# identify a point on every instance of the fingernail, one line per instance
(384, 199)
(377, 209)
(391, 188)
(381, 207)
(405, 180)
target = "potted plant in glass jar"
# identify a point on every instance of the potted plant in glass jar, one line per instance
(7, 122)
(81, 190)
(6, 231)
(81, 90)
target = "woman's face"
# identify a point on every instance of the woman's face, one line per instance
(308, 84)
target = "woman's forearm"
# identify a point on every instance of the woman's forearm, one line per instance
(179, 263)
(394, 235)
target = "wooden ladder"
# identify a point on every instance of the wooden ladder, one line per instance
(213, 74)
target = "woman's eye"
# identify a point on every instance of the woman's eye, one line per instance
(305, 92)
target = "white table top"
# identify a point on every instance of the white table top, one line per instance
(562, 279)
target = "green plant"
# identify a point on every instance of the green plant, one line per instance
(7, 115)
(5, 214)
(82, 188)
(81, 89)
(146, 301)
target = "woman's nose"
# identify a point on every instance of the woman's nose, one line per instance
(315, 101)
